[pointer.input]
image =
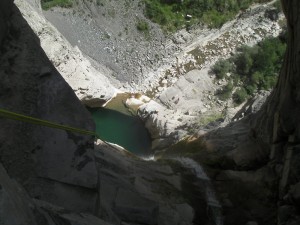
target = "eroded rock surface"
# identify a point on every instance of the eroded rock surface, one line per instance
(62, 178)
(90, 84)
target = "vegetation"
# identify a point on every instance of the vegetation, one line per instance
(221, 68)
(174, 14)
(207, 119)
(142, 26)
(278, 6)
(47, 4)
(251, 69)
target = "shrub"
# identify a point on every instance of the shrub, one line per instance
(214, 13)
(142, 26)
(278, 6)
(215, 19)
(240, 95)
(221, 68)
(225, 92)
(47, 4)
(251, 89)
(244, 60)
(253, 68)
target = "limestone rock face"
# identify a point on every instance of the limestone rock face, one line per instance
(278, 123)
(162, 123)
(258, 156)
(17, 208)
(62, 178)
(45, 160)
(5, 10)
(90, 85)
(190, 92)
(139, 192)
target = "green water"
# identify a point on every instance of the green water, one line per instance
(123, 129)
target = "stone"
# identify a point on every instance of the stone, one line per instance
(161, 123)
(16, 207)
(133, 103)
(164, 82)
(5, 10)
(68, 60)
(43, 155)
(285, 212)
(131, 207)
(247, 154)
(295, 193)
(186, 212)
(251, 223)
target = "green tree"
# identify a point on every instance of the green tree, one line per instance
(244, 62)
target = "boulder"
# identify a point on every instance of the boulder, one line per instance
(163, 124)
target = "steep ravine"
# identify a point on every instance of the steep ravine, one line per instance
(56, 177)
(50, 176)
(178, 76)
(254, 163)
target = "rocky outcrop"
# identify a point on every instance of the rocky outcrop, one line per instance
(18, 208)
(193, 93)
(255, 162)
(60, 178)
(200, 47)
(43, 160)
(278, 124)
(5, 10)
(139, 192)
(164, 125)
(91, 86)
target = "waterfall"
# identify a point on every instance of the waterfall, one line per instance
(214, 206)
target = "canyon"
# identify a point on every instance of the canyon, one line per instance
(58, 177)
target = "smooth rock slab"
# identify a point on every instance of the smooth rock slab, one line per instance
(133, 208)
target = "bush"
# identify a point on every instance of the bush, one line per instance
(214, 13)
(225, 92)
(215, 19)
(253, 68)
(142, 26)
(47, 4)
(243, 63)
(251, 89)
(240, 95)
(278, 6)
(221, 68)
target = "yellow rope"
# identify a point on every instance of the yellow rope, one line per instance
(32, 120)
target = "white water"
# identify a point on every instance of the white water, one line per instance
(213, 204)
(148, 158)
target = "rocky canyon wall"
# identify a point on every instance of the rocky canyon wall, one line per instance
(42, 159)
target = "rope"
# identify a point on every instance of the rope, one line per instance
(28, 119)
(16, 116)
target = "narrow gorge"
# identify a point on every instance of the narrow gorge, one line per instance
(172, 149)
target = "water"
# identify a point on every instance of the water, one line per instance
(214, 207)
(117, 125)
